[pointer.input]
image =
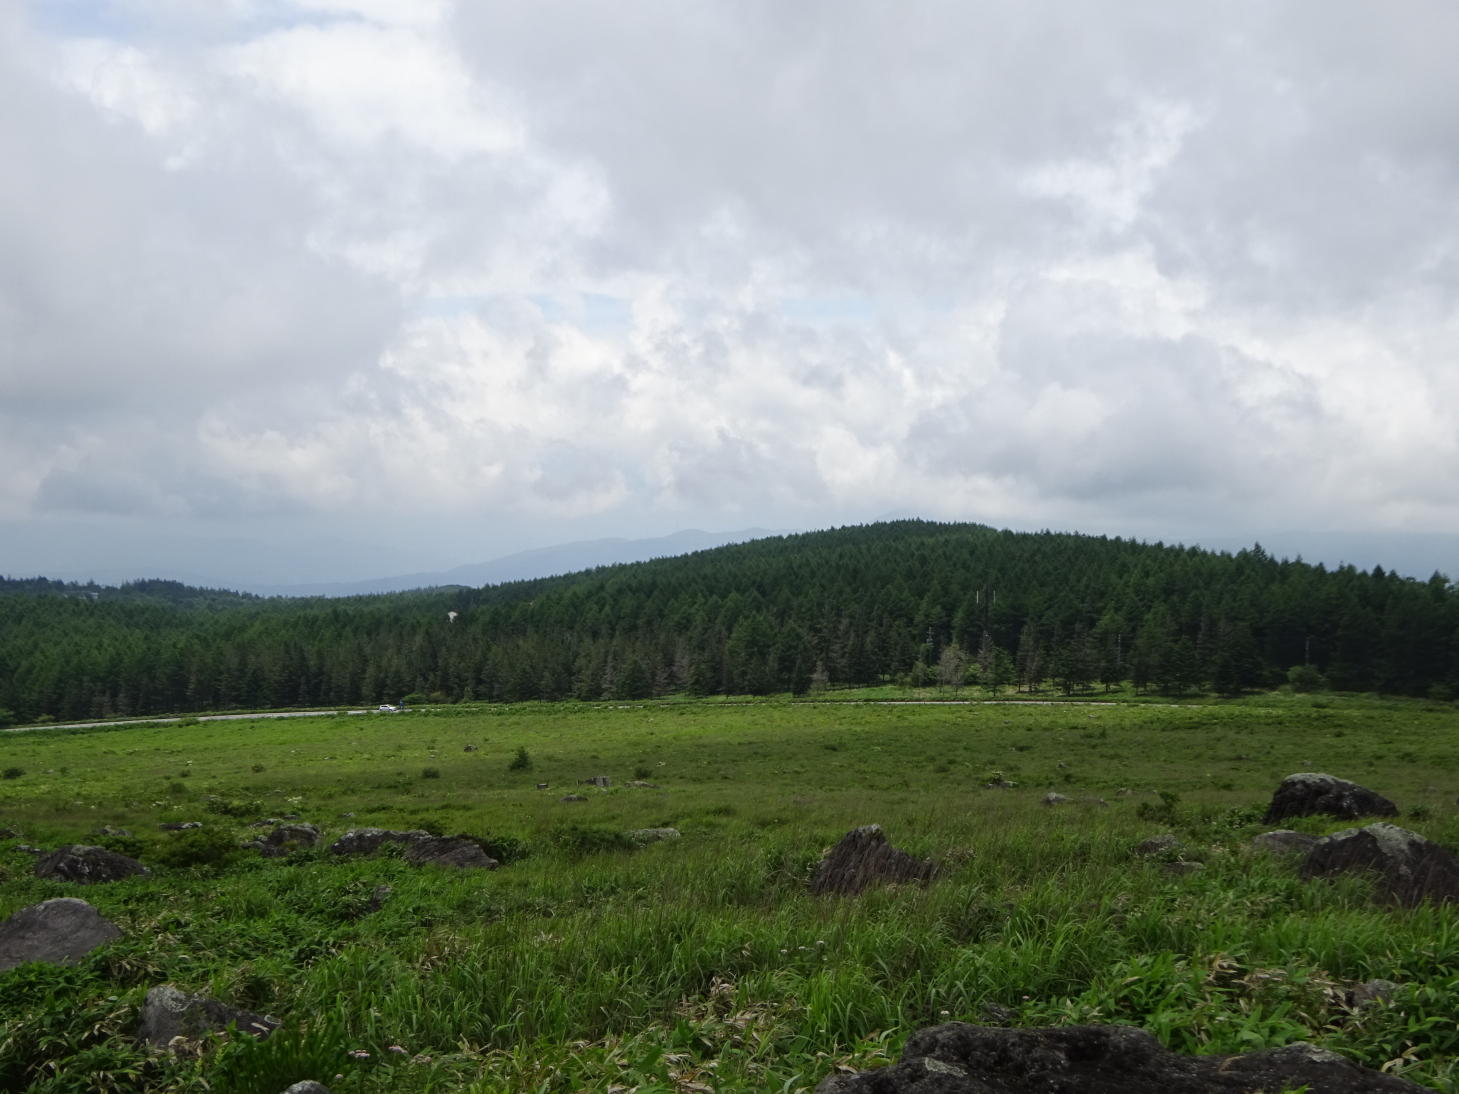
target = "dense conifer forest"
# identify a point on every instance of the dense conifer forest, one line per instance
(911, 602)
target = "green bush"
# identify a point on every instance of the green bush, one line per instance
(505, 849)
(232, 807)
(14, 772)
(590, 839)
(198, 847)
(522, 761)
(430, 773)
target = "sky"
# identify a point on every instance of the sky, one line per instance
(302, 290)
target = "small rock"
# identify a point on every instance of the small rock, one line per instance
(87, 865)
(308, 1086)
(289, 817)
(9, 833)
(455, 851)
(999, 784)
(1310, 794)
(541, 786)
(1409, 868)
(1371, 992)
(639, 784)
(179, 826)
(469, 748)
(1158, 845)
(30, 850)
(59, 932)
(378, 896)
(366, 841)
(1182, 868)
(169, 1012)
(287, 838)
(644, 836)
(601, 781)
(864, 858)
(572, 798)
(1284, 841)
(108, 830)
(1055, 799)
(267, 822)
(346, 816)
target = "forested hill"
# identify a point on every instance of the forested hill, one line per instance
(910, 600)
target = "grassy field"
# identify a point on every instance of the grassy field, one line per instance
(703, 964)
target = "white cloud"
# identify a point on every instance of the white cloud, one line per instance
(676, 262)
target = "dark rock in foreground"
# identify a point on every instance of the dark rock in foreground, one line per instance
(170, 1012)
(366, 841)
(87, 865)
(864, 858)
(60, 932)
(1311, 794)
(957, 1058)
(449, 851)
(1408, 868)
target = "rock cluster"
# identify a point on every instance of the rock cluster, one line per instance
(366, 841)
(1312, 794)
(956, 1058)
(864, 858)
(60, 932)
(170, 1012)
(449, 851)
(87, 865)
(1408, 868)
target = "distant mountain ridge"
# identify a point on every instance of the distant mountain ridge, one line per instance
(562, 558)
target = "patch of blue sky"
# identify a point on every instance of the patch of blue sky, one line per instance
(82, 18)
(593, 312)
(824, 311)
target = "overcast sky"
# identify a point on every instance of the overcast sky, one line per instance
(313, 289)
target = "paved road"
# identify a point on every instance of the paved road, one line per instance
(201, 718)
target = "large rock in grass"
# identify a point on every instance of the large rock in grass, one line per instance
(87, 865)
(1407, 868)
(287, 838)
(59, 932)
(455, 851)
(1312, 794)
(864, 858)
(957, 1058)
(170, 1012)
(366, 841)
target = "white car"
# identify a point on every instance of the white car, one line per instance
(386, 708)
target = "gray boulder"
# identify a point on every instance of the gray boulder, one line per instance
(644, 836)
(1312, 794)
(1283, 842)
(572, 798)
(956, 1058)
(169, 1012)
(1158, 845)
(59, 932)
(1407, 868)
(1055, 799)
(87, 865)
(178, 826)
(308, 1086)
(366, 841)
(450, 851)
(287, 838)
(864, 858)
(600, 781)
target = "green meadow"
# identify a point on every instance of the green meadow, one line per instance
(588, 964)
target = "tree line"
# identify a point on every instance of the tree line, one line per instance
(914, 602)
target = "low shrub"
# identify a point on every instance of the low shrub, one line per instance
(209, 846)
(590, 839)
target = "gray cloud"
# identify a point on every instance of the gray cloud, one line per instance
(684, 263)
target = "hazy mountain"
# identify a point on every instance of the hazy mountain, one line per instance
(563, 558)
